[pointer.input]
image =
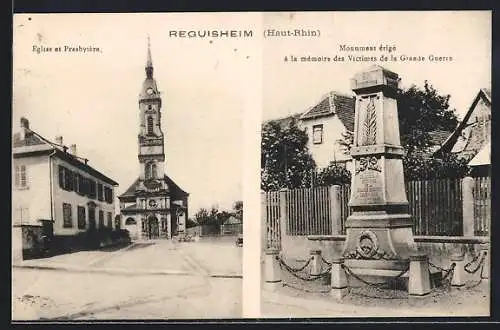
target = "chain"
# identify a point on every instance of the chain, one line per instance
(311, 277)
(291, 269)
(479, 265)
(391, 280)
(481, 278)
(325, 261)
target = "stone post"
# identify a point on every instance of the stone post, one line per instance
(419, 283)
(283, 216)
(458, 278)
(468, 206)
(272, 278)
(339, 288)
(336, 209)
(315, 261)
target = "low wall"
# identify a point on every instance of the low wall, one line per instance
(439, 249)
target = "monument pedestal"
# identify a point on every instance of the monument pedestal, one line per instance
(379, 243)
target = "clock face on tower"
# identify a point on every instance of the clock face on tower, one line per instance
(149, 91)
(152, 203)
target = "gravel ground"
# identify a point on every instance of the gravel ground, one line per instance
(296, 298)
(54, 294)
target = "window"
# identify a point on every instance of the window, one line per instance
(100, 195)
(81, 188)
(92, 189)
(81, 217)
(108, 194)
(76, 182)
(101, 219)
(153, 171)
(110, 220)
(150, 125)
(318, 134)
(66, 178)
(21, 215)
(130, 221)
(67, 218)
(20, 176)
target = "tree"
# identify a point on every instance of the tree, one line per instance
(238, 209)
(421, 111)
(334, 174)
(285, 158)
(202, 217)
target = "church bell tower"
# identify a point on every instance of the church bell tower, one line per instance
(151, 143)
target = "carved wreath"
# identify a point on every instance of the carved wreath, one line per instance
(368, 163)
(368, 248)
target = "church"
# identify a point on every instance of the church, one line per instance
(154, 206)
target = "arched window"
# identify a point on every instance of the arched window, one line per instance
(150, 125)
(130, 221)
(153, 171)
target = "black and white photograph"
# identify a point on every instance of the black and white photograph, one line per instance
(127, 165)
(375, 164)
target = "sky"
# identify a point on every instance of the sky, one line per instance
(294, 87)
(92, 99)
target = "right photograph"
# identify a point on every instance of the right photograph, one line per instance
(375, 164)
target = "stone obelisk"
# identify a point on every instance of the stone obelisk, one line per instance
(379, 231)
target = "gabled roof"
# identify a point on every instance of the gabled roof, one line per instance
(334, 103)
(174, 190)
(29, 140)
(34, 139)
(439, 136)
(232, 220)
(484, 94)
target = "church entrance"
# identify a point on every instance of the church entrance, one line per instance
(153, 228)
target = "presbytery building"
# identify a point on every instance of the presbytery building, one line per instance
(56, 189)
(153, 206)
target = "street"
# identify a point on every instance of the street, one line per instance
(195, 275)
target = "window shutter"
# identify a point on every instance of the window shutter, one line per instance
(61, 176)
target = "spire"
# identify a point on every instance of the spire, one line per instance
(149, 61)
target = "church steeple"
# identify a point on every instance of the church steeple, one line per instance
(149, 62)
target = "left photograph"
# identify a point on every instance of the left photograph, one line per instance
(126, 166)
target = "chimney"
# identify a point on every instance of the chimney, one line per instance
(73, 149)
(59, 140)
(25, 126)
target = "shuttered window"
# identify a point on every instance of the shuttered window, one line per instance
(67, 216)
(100, 193)
(81, 217)
(20, 180)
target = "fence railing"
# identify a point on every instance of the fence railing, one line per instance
(481, 193)
(437, 207)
